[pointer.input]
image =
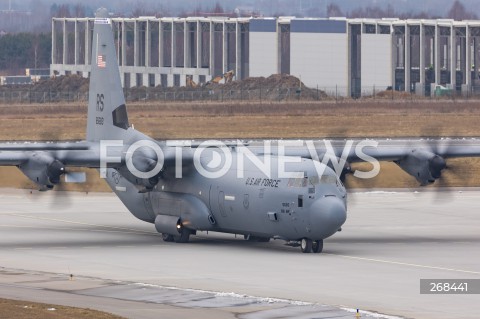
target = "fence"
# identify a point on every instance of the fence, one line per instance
(338, 94)
(34, 97)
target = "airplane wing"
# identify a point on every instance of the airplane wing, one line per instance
(381, 149)
(44, 146)
(81, 154)
(424, 159)
(44, 163)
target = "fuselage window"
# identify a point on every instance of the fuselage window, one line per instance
(324, 179)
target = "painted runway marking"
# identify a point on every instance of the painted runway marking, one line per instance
(80, 229)
(43, 227)
(405, 264)
(20, 286)
(82, 223)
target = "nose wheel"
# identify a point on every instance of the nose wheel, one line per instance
(317, 246)
(307, 246)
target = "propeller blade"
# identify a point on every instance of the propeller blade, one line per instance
(61, 196)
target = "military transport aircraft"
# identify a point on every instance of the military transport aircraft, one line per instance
(261, 191)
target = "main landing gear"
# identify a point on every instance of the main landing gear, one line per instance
(307, 245)
(182, 237)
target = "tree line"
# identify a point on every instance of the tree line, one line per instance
(24, 50)
(457, 12)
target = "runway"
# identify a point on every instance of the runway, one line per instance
(390, 241)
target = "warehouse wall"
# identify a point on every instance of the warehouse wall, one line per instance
(376, 62)
(319, 54)
(263, 47)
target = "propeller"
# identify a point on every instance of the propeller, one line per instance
(347, 170)
(436, 165)
(61, 197)
(55, 170)
(442, 170)
(56, 179)
(346, 175)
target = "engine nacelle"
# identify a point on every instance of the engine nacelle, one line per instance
(424, 165)
(168, 224)
(43, 170)
(174, 209)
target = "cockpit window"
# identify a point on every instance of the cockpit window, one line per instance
(324, 179)
(298, 182)
(314, 180)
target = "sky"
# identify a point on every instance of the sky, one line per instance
(268, 7)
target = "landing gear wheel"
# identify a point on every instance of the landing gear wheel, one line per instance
(306, 245)
(183, 237)
(317, 246)
(168, 238)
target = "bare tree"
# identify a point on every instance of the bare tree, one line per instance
(334, 10)
(141, 9)
(458, 12)
(218, 9)
(374, 12)
(62, 11)
(79, 11)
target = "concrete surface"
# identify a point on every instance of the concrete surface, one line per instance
(391, 240)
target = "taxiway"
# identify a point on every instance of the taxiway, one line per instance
(390, 241)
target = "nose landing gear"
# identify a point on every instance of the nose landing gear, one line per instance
(307, 246)
(317, 246)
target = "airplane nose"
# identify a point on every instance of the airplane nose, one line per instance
(327, 215)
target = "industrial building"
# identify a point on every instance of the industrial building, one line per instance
(351, 57)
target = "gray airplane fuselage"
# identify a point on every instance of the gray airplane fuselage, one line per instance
(254, 204)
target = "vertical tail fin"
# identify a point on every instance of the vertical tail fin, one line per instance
(107, 113)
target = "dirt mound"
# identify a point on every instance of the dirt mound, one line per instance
(62, 88)
(66, 83)
(277, 87)
(63, 84)
(394, 95)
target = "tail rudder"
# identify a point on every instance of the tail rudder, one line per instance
(107, 113)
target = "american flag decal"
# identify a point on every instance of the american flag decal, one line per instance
(101, 61)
